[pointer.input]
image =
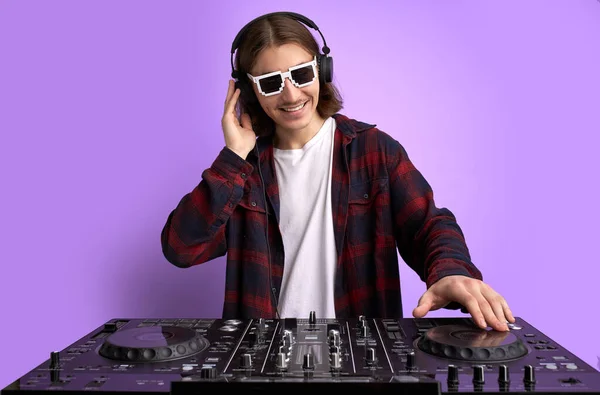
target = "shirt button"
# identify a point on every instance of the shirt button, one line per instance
(253, 204)
(366, 195)
(243, 175)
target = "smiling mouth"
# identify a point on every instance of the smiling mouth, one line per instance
(293, 109)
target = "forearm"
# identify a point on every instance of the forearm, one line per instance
(194, 232)
(442, 247)
(429, 239)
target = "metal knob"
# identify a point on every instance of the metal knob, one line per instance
(503, 374)
(478, 374)
(364, 331)
(208, 372)
(261, 325)
(281, 361)
(287, 338)
(371, 356)
(529, 376)
(246, 361)
(335, 361)
(54, 360)
(309, 362)
(410, 360)
(312, 318)
(452, 375)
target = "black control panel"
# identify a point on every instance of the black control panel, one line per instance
(428, 355)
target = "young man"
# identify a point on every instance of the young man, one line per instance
(313, 213)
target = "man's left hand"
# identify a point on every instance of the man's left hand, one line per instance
(486, 306)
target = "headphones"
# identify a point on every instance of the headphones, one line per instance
(324, 62)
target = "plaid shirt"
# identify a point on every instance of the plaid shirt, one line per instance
(380, 201)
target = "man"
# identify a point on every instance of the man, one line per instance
(310, 214)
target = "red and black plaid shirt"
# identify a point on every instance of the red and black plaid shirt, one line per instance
(380, 201)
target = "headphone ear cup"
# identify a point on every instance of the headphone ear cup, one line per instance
(325, 64)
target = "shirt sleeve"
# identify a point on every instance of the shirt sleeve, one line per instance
(194, 232)
(429, 238)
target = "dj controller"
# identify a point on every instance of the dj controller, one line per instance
(400, 356)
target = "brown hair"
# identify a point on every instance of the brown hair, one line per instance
(273, 31)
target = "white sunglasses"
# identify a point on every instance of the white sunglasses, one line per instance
(272, 83)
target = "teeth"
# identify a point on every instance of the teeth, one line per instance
(294, 108)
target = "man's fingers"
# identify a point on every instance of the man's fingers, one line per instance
(499, 307)
(507, 312)
(489, 315)
(232, 95)
(473, 308)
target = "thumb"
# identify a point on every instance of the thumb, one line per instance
(425, 304)
(245, 121)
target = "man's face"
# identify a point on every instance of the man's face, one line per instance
(277, 106)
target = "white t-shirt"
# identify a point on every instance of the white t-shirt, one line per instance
(306, 224)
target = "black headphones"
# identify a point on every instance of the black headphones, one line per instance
(324, 62)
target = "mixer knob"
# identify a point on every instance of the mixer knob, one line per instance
(261, 324)
(208, 372)
(246, 361)
(309, 362)
(284, 350)
(503, 375)
(334, 338)
(334, 349)
(529, 376)
(312, 318)
(410, 360)
(364, 331)
(452, 375)
(335, 360)
(281, 361)
(253, 337)
(287, 338)
(478, 374)
(54, 360)
(361, 319)
(371, 356)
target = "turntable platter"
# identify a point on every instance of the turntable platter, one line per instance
(466, 343)
(153, 344)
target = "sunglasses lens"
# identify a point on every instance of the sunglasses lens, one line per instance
(271, 84)
(303, 75)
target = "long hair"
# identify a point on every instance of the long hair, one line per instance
(274, 31)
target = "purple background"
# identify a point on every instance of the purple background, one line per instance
(110, 111)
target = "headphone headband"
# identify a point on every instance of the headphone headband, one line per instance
(300, 18)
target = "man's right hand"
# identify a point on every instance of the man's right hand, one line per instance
(239, 136)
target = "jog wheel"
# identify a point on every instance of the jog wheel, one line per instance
(466, 343)
(153, 344)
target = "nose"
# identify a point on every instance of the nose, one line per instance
(290, 92)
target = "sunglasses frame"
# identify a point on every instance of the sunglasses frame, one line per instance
(284, 75)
